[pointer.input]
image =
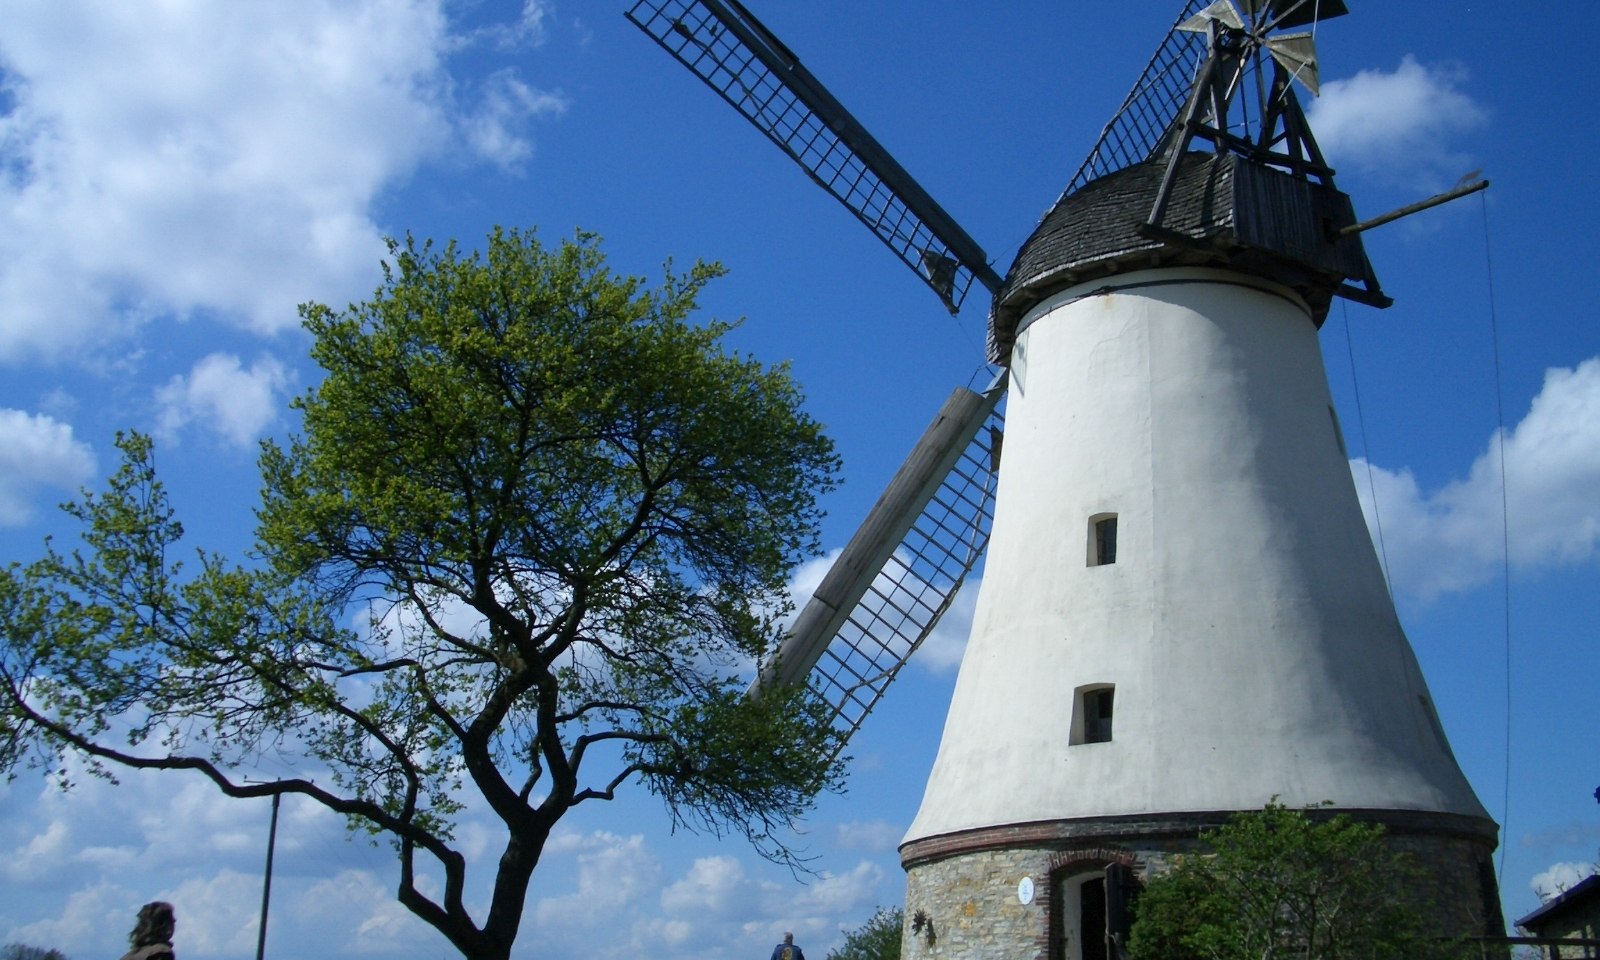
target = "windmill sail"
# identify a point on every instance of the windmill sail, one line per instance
(722, 44)
(1147, 113)
(1175, 392)
(898, 575)
(1155, 104)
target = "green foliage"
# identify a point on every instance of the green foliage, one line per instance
(877, 939)
(1284, 883)
(22, 951)
(567, 516)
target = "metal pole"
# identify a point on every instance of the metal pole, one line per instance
(266, 886)
(1406, 211)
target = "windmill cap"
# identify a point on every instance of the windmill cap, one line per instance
(1225, 211)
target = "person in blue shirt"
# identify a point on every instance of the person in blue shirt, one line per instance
(787, 950)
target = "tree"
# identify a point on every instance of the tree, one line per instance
(567, 515)
(1284, 883)
(877, 939)
(22, 951)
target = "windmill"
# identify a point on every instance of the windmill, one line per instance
(1182, 614)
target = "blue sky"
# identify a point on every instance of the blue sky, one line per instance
(176, 176)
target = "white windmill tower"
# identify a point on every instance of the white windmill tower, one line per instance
(1182, 614)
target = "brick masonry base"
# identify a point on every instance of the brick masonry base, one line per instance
(964, 888)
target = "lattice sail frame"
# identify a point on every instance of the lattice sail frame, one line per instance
(1148, 113)
(727, 48)
(902, 570)
(909, 596)
(871, 614)
(1152, 114)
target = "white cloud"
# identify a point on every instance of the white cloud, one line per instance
(236, 403)
(93, 922)
(531, 25)
(198, 157)
(507, 105)
(91, 857)
(38, 853)
(941, 651)
(807, 577)
(870, 836)
(528, 30)
(1558, 877)
(359, 913)
(218, 914)
(717, 895)
(219, 160)
(196, 817)
(160, 835)
(1451, 539)
(1398, 123)
(37, 451)
(813, 912)
(712, 887)
(148, 822)
(716, 907)
(841, 894)
(614, 872)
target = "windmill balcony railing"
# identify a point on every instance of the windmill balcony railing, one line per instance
(1548, 948)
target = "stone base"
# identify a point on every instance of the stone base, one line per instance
(967, 899)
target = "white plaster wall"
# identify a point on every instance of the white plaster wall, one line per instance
(1245, 624)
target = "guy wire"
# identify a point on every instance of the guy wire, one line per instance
(1505, 532)
(1366, 451)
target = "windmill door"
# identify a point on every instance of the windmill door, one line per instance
(1089, 914)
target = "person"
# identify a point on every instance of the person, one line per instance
(152, 933)
(787, 950)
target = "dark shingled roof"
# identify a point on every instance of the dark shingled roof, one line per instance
(1585, 891)
(1231, 213)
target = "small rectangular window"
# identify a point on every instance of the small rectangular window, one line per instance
(1105, 540)
(1097, 715)
(1091, 713)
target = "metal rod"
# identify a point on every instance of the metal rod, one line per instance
(1406, 211)
(266, 886)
